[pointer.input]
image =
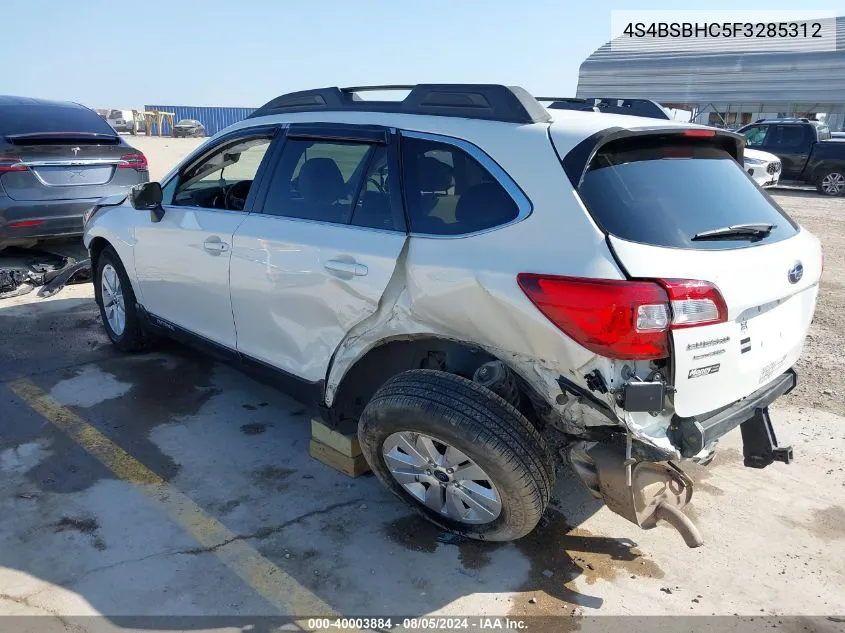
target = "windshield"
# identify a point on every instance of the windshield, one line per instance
(50, 119)
(666, 195)
(186, 122)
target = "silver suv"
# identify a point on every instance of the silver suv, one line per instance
(485, 287)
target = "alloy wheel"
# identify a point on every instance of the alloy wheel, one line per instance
(441, 477)
(833, 183)
(113, 302)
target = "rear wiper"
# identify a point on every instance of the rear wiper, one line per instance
(737, 231)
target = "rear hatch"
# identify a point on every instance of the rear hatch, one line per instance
(666, 202)
(63, 152)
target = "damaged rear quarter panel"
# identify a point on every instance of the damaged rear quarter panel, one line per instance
(464, 288)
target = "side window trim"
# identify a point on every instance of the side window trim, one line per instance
(523, 203)
(275, 132)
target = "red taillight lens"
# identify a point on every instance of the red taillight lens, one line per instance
(133, 161)
(22, 224)
(10, 163)
(602, 315)
(623, 319)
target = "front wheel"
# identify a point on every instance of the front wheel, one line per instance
(457, 453)
(831, 182)
(116, 299)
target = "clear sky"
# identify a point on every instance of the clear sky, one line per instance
(124, 54)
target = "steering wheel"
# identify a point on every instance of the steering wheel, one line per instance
(236, 195)
(377, 184)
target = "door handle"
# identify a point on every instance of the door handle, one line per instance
(346, 268)
(215, 246)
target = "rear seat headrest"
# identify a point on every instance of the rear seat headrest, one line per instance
(320, 180)
(433, 174)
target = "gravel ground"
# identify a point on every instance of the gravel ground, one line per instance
(822, 366)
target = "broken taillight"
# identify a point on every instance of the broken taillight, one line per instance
(623, 319)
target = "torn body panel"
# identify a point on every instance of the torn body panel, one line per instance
(21, 271)
(476, 309)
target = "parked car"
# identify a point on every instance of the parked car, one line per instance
(120, 120)
(56, 160)
(188, 127)
(763, 167)
(806, 150)
(487, 288)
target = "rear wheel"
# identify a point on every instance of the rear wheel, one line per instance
(457, 453)
(118, 309)
(831, 182)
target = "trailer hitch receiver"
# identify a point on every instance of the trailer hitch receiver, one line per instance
(759, 443)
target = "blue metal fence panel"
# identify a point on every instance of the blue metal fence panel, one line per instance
(213, 118)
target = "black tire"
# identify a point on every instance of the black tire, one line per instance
(483, 426)
(132, 338)
(824, 174)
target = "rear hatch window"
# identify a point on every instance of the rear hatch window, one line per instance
(667, 194)
(654, 196)
(25, 122)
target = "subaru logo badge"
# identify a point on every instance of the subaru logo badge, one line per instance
(795, 273)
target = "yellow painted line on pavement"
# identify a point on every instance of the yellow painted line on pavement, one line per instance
(268, 580)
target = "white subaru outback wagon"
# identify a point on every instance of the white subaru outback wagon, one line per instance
(488, 288)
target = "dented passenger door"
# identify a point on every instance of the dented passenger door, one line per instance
(315, 257)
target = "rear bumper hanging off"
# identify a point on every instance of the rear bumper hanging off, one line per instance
(691, 435)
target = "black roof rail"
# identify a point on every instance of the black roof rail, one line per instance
(609, 105)
(786, 119)
(489, 102)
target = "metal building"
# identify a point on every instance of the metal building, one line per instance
(723, 84)
(213, 118)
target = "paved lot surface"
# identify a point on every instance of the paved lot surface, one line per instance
(164, 483)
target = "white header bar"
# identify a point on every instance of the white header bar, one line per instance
(741, 31)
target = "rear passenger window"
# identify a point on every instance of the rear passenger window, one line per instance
(318, 180)
(786, 137)
(448, 192)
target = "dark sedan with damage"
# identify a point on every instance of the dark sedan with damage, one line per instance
(56, 160)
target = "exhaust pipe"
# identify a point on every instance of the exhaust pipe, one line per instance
(657, 490)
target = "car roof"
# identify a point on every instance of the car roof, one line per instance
(9, 100)
(497, 138)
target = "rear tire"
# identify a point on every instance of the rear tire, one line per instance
(831, 182)
(512, 470)
(114, 295)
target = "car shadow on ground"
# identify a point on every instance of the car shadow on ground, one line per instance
(239, 450)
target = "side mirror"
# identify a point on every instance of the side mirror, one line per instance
(148, 197)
